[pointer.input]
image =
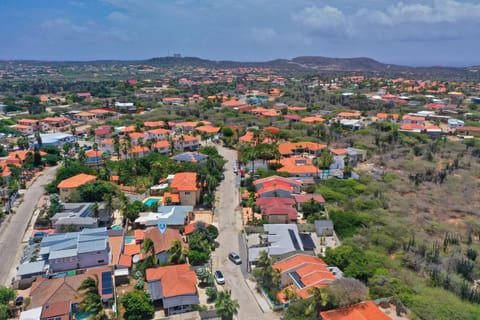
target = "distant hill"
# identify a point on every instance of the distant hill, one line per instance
(304, 64)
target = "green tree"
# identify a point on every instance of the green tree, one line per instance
(316, 301)
(325, 159)
(178, 253)
(226, 307)
(91, 300)
(138, 305)
(148, 248)
(266, 276)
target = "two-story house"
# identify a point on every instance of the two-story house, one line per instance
(185, 184)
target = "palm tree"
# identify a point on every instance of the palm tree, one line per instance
(92, 302)
(226, 307)
(108, 204)
(148, 247)
(95, 210)
(316, 303)
(178, 253)
(116, 145)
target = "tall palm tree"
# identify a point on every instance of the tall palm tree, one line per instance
(92, 302)
(178, 253)
(148, 247)
(116, 145)
(108, 204)
(316, 303)
(226, 307)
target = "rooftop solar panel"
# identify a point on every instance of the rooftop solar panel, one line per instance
(107, 285)
(307, 241)
(294, 239)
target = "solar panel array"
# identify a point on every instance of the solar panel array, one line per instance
(294, 239)
(107, 283)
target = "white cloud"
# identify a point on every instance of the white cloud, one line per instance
(320, 18)
(421, 20)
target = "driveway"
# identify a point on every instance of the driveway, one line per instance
(13, 229)
(230, 227)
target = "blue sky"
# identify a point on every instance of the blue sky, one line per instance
(411, 32)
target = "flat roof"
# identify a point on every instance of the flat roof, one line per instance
(31, 268)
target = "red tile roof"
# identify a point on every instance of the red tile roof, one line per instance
(290, 147)
(362, 311)
(76, 181)
(185, 181)
(163, 241)
(277, 179)
(125, 261)
(131, 249)
(176, 280)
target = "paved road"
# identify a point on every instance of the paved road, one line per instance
(230, 227)
(12, 231)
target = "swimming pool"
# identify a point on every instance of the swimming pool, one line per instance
(129, 240)
(83, 316)
(151, 201)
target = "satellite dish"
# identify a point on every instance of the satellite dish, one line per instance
(136, 258)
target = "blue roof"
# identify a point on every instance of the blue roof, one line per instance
(173, 215)
(31, 268)
(58, 254)
(90, 246)
(190, 156)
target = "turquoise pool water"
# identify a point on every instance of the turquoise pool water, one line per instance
(151, 201)
(83, 316)
(129, 240)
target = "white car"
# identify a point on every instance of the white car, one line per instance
(218, 275)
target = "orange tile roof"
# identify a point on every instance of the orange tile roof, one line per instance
(159, 131)
(412, 126)
(386, 115)
(186, 138)
(128, 129)
(137, 135)
(163, 241)
(99, 111)
(131, 249)
(289, 147)
(272, 179)
(339, 151)
(93, 153)
(313, 119)
(413, 118)
(297, 108)
(208, 129)
(138, 149)
(297, 260)
(115, 243)
(189, 228)
(185, 181)
(31, 121)
(233, 103)
(76, 181)
(362, 311)
(161, 144)
(139, 235)
(248, 137)
(56, 310)
(174, 197)
(56, 119)
(176, 280)
(20, 155)
(84, 114)
(153, 124)
(125, 261)
(349, 114)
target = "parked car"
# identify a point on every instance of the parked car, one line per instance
(218, 275)
(19, 301)
(235, 258)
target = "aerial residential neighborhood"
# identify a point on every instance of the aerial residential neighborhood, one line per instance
(244, 185)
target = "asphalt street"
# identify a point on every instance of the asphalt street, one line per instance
(230, 227)
(12, 231)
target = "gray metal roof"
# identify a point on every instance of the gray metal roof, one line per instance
(170, 215)
(82, 221)
(155, 289)
(31, 268)
(282, 239)
(323, 224)
(58, 254)
(90, 246)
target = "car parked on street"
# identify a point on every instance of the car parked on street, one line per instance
(218, 275)
(235, 258)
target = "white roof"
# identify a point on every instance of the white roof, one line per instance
(32, 314)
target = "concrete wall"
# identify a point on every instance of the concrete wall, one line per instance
(92, 259)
